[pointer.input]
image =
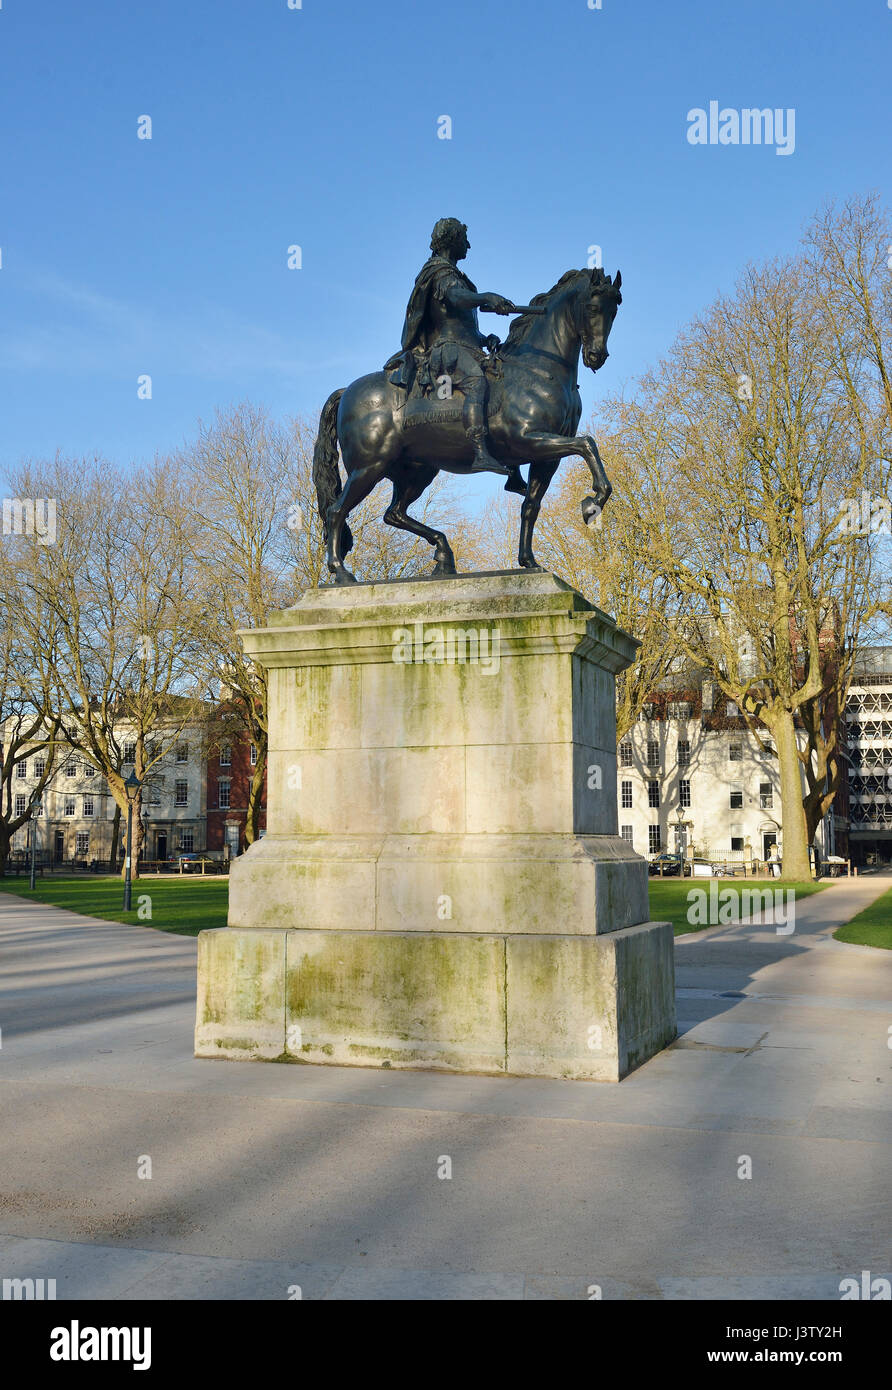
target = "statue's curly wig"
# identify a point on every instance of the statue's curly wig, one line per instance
(445, 232)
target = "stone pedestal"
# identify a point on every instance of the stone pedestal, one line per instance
(441, 883)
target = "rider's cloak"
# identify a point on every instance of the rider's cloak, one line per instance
(434, 278)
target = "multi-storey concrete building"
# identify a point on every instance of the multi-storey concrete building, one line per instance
(868, 733)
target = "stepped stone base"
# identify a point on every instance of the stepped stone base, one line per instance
(578, 1007)
(442, 883)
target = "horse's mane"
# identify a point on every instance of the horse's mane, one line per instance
(521, 326)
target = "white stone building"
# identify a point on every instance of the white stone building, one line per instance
(691, 778)
(75, 821)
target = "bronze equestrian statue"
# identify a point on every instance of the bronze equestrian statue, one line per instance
(519, 401)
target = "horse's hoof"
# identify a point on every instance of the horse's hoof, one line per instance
(531, 564)
(590, 510)
(343, 576)
(443, 570)
(516, 484)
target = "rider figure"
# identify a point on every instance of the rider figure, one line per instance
(441, 320)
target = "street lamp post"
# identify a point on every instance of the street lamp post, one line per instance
(35, 803)
(131, 787)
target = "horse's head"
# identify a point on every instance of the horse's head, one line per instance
(598, 312)
(578, 310)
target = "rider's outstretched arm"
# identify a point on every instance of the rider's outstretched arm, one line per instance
(460, 298)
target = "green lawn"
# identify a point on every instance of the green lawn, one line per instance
(872, 927)
(669, 896)
(186, 904)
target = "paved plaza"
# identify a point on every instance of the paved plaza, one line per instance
(268, 1178)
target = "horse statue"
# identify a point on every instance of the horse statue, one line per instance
(534, 410)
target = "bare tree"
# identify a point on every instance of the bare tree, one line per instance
(28, 728)
(118, 590)
(749, 443)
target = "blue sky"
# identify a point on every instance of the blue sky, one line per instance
(318, 127)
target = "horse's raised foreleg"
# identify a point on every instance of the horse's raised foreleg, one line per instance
(357, 487)
(593, 506)
(405, 493)
(541, 475)
(554, 447)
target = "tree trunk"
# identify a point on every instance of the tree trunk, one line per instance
(796, 863)
(116, 835)
(255, 798)
(139, 836)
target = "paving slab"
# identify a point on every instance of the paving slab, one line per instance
(266, 1177)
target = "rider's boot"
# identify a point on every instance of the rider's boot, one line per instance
(515, 481)
(475, 429)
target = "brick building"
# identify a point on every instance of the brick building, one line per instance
(231, 763)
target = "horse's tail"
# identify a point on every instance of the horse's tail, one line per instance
(326, 474)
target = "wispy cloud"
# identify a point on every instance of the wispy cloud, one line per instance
(78, 330)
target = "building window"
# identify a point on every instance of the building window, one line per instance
(679, 709)
(187, 842)
(626, 792)
(40, 767)
(766, 796)
(223, 787)
(89, 770)
(731, 710)
(129, 752)
(653, 793)
(82, 843)
(684, 794)
(253, 754)
(684, 752)
(181, 792)
(736, 798)
(736, 842)
(226, 755)
(653, 753)
(71, 768)
(21, 771)
(88, 806)
(68, 809)
(626, 833)
(182, 752)
(654, 839)
(625, 754)
(21, 804)
(735, 752)
(38, 809)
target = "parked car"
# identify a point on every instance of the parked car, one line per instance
(669, 864)
(188, 861)
(210, 862)
(703, 868)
